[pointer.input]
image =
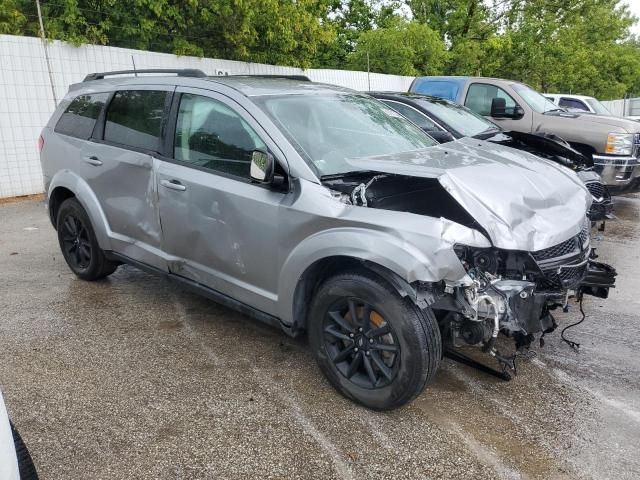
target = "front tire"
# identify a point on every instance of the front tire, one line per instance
(79, 244)
(374, 346)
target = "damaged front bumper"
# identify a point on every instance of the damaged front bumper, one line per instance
(523, 309)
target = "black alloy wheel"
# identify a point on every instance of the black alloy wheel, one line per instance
(374, 345)
(78, 243)
(361, 343)
(75, 242)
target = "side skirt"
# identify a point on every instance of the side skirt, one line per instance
(205, 291)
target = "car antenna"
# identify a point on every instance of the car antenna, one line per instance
(134, 66)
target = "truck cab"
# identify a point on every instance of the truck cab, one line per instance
(612, 142)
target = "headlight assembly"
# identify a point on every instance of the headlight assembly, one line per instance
(620, 144)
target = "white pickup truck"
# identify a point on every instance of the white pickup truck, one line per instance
(578, 103)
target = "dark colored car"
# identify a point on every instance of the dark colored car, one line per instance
(447, 121)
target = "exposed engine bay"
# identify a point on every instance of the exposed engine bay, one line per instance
(505, 291)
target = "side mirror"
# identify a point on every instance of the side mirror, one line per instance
(262, 166)
(440, 136)
(518, 112)
(499, 108)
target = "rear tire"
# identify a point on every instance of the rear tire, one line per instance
(78, 243)
(387, 356)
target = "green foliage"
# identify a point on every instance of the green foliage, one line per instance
(579, 46)
(404, 48)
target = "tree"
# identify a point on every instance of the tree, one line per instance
(271, 31)
(403, 48)
(349, 19)
(579, 46)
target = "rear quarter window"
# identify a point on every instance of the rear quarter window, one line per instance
(80, 116)
(134, 118)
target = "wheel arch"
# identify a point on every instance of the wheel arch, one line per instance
(327, 267)
(66, 184)
(324, 255)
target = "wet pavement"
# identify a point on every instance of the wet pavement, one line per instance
(133, 377)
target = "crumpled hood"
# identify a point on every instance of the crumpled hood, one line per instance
(523, 202)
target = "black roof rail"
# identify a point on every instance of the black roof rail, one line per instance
(301, 78)
(180, 72)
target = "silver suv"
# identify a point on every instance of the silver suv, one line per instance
(316, 208)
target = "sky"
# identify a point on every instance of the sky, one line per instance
(634, 7)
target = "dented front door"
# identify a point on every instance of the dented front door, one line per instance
(219, 229)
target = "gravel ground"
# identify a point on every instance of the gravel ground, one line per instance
(133, 377)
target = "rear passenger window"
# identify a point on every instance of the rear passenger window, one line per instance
(211, 135)
(134, 119)
(80, 116)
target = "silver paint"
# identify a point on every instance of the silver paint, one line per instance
(255, 244)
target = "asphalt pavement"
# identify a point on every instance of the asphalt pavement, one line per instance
(132, 377)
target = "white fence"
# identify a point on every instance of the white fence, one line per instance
(624, 107)
(26, 98)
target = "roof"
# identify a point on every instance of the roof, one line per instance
(409, 95)
(255, 85)
(569, 95)
(462, 78)
(249, 85)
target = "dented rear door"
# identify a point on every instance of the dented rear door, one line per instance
(118, 165)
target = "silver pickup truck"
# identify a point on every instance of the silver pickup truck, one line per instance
(612, 142)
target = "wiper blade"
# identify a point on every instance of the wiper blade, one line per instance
(346, 174)
(555, 110)
(489, 132)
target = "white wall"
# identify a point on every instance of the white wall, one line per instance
(26, 99)
(623, 108)
(616, 107)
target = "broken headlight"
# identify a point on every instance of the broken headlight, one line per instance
(484, 259)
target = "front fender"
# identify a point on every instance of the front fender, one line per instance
(88, 200)
(430, 264)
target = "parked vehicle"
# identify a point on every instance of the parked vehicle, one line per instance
(15, 460)
(317, 208)
(445, 121)
(612, 142)
(578, 103)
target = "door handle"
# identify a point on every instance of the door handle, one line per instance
(173, 185)
(93, 160)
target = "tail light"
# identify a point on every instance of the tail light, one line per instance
(40, 143)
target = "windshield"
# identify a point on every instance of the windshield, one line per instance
(330, 129)
(536, 101)
(459, 118)
(598, 107)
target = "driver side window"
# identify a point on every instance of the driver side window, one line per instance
(211, 135)
(480, 95)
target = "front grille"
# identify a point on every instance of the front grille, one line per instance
(636, 146)
(596, 189)
(585, 235)
(560, 250)
(564, 265)
(571, 275)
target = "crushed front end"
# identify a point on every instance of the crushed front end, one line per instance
(515, 292)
